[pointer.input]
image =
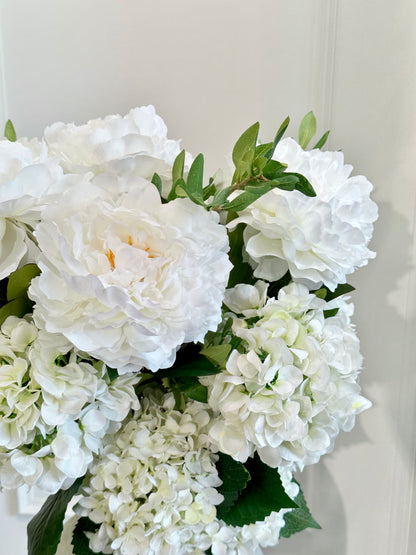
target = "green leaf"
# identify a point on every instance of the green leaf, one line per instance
(251, 192)
(242, 271)
(287, 182)
(307, 129)
(9, 131)
(243, 151)
(221, 196)
(178, 185)
(193, 389)
(331, 312)
(342, 289)
(234, 478)
(280, 132)
(298, 519)
(45, 529)
(273, 169)
(194, 183)
(178, 166)
(321, 293)
(304, 186)
(17, 307)
(263, 494)
(19, 281)
(217, 354)
(262, 150)
(209, 191)
(275, 286)
(322, 140)
(80, 541)
(189, 362)
(157, 182)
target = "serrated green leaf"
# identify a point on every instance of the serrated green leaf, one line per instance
(263, 494)
(299, 519)
(17, 307)
(9, 131)
(322, 140)
(20, 279)
(243, 151)
(234, 478)
(307, 129)
(217, 354)
(178, 166)
(80, 542)
(45, 529)
(157, 182)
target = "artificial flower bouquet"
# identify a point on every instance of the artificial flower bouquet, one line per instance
(174, 349)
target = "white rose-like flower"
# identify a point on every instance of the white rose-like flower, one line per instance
(28, 180)
(135, 143)
(293, 383)
(153, 489)
(126, 278)
(320, 239)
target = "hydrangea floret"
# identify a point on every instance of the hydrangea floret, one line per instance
(172, 350)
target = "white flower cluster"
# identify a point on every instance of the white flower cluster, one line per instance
(292, 384)
(134, 144)
(54, 408)
(320, 239)
(126, 278)
(153, 490)
(28, 181)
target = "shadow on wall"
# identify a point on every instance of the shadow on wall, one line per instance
(318, 542)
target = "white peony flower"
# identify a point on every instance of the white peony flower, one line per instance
(136, 144)
(28, 181)
(293, 383)
(320, 239)
(153, 489)
(126, 278)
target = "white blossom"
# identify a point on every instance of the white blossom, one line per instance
(55, 408)
(28, 180)
(126, 278)
(320, 239)
(153, 489)
(136, 143)
(293, 383)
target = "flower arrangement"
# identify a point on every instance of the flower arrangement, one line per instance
(173, 352)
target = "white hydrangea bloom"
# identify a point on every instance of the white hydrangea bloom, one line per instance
(54, 408)
(28, 180)
(126, 278)
(136, 144)
(153, 489)
(293, 383)
(320, 239)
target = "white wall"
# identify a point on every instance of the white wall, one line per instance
(212, 68)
